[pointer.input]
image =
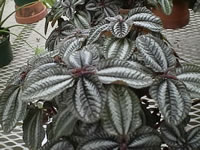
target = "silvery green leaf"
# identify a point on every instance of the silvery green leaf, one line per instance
(57, 145)
(118, 48)
(113, 71)
(118, 26)
(11, 108)
(193, 138)
(173, 136)
(67, 46)
(52, 40)
(82, 58)
(156, 54)
(101, 141)
(145, 138)
(46, 82)
(82, 20)
(143, 17)
(78, 2)
(166, 6)
(33, 131)
(89, 98)
(111, 10)
(96, 32)
(122, 112)
(63, 123)
(190, 75)
(173, 99)
(91, 5)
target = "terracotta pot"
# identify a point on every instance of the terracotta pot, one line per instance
(178, 18)
(5, 51)
(31, 13)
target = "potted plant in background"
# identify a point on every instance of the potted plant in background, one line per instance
(31, 12)
(87, 90)
(5, 48)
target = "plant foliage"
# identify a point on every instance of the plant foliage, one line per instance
(87, 91)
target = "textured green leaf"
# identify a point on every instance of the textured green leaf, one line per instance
(122, 72)
(82, 20)
(190, 75)
(11, 108)
(193, 138)
(68, 46)
(102, 141)
(173, 100)
(156, 54)
(46, 82)
(84, 58)
(166, 6)
(118, 48)
(145, 138)
(57, 145)
(64, 121)
(143, 17)
(121, 116)
(89, 98)
(118, 26)
(173, 136)
(96, 32)
(33, 132)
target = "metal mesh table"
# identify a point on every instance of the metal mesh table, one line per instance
(185, 41)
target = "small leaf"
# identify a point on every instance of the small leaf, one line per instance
(190, 75)
(145, 138)
(193, 138)
(166, 6)
(173, 100)
(46, 82)
(118, 26)
(57, 145)
(143, 17)
(101, 141)
(89, 98)
(11, 108)
(121, 116)
(121, 72)
(63, 123)
(118, 48)
(33, 132)
(156, 54)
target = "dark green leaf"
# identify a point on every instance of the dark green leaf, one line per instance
(173, 99)
(57, 145)
(121, 72)
(11, 108)
(122, 112)
(33, 131)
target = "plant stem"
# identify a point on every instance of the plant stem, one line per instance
(4, 31)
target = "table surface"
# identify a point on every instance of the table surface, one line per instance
(185, 41)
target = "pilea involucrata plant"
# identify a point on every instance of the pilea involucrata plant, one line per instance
(91, 91)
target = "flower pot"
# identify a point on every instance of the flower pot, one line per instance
(5, 50)
(178, 18)
(23, 2)
(31, 13)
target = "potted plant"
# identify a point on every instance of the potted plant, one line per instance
(31, 12)
(85, 94)
(5, 48)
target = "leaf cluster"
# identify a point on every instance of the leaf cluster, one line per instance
(85, 93)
